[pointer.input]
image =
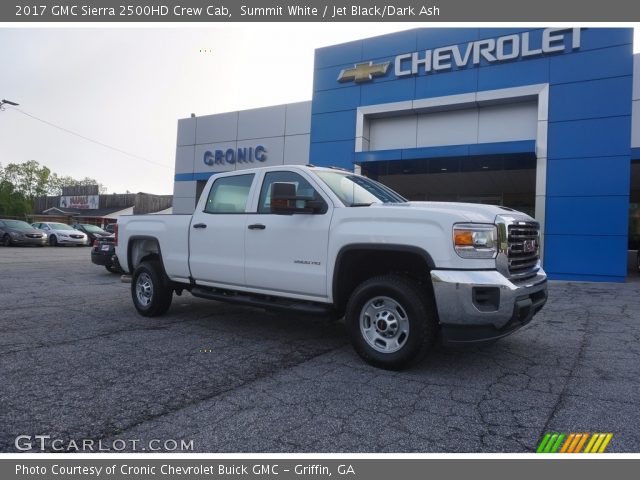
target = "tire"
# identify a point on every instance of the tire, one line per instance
(638, 260)
(391, 321)
(112, 269)
(6, 241)
(53, 241)
(150, 289)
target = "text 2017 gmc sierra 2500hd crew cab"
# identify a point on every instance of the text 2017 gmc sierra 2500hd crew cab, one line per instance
(325, 240)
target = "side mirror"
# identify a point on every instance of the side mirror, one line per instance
(284, 201)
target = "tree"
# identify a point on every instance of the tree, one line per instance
(30, 179)
(56, 183)
(21, 183)
(12, 203)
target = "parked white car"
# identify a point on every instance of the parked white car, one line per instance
(62, 234)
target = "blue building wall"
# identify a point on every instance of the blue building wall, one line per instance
(589, 129)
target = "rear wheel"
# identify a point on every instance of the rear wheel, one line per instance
(53, 241)
(112, 269)
(391, 321)
(150, 289)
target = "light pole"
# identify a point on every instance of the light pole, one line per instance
(7, 102)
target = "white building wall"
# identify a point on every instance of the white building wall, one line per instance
(283, 130)
(494, 123)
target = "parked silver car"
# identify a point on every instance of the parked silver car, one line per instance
(62, 234)
(17, 232)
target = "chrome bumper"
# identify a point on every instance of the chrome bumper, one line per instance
(477, 306)
(72, 241)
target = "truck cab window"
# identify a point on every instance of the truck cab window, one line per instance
(303, 188)
(229, 194)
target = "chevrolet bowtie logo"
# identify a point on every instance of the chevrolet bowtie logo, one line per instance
(363, 72)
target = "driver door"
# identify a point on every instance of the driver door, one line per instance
(287, 253)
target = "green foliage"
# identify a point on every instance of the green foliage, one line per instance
(12, 203)
(28, 178)
(56, 183)
(21, 183)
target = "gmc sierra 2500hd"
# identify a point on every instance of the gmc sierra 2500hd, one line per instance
(323, 240)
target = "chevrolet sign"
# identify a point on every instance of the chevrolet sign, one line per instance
(492, 50)
(363, 72)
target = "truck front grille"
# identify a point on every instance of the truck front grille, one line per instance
(524, 249)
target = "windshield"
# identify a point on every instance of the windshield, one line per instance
(93, 228)
(17, 224)
(60, 226)
(355, 190)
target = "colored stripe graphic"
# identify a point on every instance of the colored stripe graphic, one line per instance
(569, 442)
(555, 447)
(543, 443)
(573, 442)
(592, 440)
(582, 442)
(606, 441)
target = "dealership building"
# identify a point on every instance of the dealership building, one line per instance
(546, 121)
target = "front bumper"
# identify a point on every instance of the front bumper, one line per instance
(28, 241)
(72, 241)
(483, 306)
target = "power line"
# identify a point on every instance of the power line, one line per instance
(71, 132)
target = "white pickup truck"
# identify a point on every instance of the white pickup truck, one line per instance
(319, 240)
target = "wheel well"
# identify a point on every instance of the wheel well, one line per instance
(142, 249)
(355, 265)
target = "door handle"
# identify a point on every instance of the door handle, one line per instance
(256, 226)
(200, 225)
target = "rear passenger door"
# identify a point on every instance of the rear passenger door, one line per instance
(216, 233)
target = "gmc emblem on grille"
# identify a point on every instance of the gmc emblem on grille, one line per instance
(529, 246)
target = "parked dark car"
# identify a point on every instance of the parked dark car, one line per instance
(103, 252)
(17, 232)
(92, 231)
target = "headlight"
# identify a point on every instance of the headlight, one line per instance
(475, 240)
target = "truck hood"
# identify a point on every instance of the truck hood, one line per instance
(470, 212)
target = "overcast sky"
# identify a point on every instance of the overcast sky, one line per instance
(126, 87)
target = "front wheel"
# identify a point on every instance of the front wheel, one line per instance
(53, 241)
(6, 241)
(391, 321)
(150, 289)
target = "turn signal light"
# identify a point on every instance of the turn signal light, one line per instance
(475, 240)
(463, 238)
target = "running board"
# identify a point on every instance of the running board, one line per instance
(261, 301)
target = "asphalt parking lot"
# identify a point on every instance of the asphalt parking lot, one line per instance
(77, 362)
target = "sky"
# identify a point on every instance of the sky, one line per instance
(127, 87)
